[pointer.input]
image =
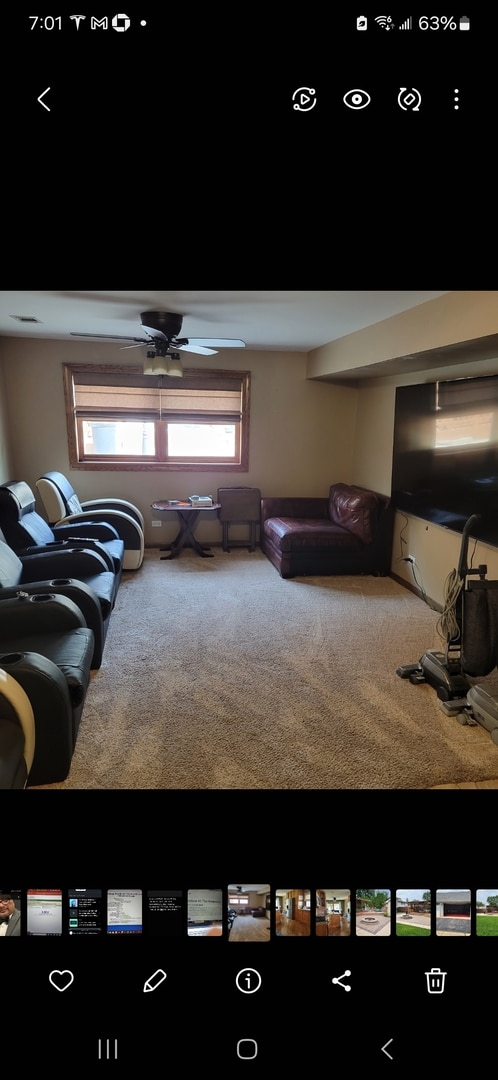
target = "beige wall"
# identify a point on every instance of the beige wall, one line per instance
(5, 442)
(455, 317)
(372, 459)
(301, 432)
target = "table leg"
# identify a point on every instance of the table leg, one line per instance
(185, 536)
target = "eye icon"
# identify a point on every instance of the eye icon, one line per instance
(357, 99)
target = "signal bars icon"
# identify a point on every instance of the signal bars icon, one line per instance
(407, 24)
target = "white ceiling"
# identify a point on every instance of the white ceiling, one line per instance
(286, 321)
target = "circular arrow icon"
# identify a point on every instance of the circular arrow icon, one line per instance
(409, 99)
(304, 98)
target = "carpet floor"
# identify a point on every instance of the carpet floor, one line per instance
(219, 674)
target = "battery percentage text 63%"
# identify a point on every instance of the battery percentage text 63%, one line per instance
(437, 22)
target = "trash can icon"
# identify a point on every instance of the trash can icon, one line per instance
(435, 980)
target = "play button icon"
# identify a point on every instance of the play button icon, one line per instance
(304, 98)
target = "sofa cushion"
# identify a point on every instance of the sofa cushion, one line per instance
(293, 534)
(354, 509)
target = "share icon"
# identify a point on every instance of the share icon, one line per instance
(338, 980)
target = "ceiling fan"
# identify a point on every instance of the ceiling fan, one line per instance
(161, 329)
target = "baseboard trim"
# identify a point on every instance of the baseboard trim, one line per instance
(417, 592)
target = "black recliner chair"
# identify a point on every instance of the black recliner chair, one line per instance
(62, 507)
(46, 646)
(80, 574)
(26, 530)
(17, 733)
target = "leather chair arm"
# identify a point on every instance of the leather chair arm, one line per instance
(56, 696)
(40, 613)
(62, 561)
(120, 505)
(78, 591)
(71, 544)
(125, 526)
(84, 527)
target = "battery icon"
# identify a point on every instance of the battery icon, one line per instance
(464, 23)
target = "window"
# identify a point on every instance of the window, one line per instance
(119, 418)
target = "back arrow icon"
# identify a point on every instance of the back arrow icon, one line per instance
(384, 1051)
(42, 95)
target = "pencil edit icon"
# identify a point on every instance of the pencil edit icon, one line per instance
(154, 981)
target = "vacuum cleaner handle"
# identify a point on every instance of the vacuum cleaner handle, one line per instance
(469, 524)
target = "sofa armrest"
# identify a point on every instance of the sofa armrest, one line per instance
(294, 507)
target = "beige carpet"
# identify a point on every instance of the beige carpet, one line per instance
(218, 674)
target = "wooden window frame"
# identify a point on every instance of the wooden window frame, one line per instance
(160, 462)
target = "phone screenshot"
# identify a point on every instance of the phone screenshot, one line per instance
(165, 916)
(10, 913)
(44, 912)
(205, 912)
(201, 710)
(124, 911)
(84, 911)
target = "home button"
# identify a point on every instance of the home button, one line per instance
(247, 1049)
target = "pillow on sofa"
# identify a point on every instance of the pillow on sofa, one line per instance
(355, 509)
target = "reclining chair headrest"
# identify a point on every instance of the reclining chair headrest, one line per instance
(18, 498)
(65, 491)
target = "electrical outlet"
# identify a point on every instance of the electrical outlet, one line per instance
(156, 524)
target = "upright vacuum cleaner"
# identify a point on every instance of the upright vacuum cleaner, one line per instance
(470, 623)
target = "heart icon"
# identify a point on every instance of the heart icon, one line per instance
(61, 979)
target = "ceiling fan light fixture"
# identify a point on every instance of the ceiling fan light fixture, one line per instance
(155, 365)
(175, 366)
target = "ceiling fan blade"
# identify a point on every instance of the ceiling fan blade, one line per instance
(201, 349)
(218, 343)
(112, 337)
(155, 333)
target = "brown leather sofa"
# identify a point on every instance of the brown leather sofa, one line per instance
(347, 532)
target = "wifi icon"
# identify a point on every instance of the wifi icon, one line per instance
(385, 22)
